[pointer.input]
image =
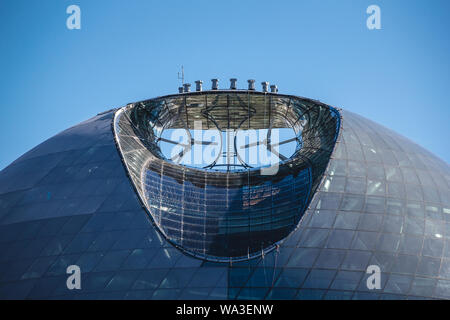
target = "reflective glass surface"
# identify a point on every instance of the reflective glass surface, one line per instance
(243, 211)
(382, 201)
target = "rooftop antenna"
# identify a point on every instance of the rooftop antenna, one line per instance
(181, 77)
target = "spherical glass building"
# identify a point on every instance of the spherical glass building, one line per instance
(226, 194)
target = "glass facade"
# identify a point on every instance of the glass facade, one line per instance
(382, 200)
(233, 214)
(220, 221)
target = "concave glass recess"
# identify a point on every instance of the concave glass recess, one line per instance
(226, 175)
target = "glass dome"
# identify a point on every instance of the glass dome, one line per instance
(380, 200)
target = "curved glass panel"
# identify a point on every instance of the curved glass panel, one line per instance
(227, 208)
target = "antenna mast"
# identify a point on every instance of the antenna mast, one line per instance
(182, 76)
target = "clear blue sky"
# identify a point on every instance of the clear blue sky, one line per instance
(53, 78)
